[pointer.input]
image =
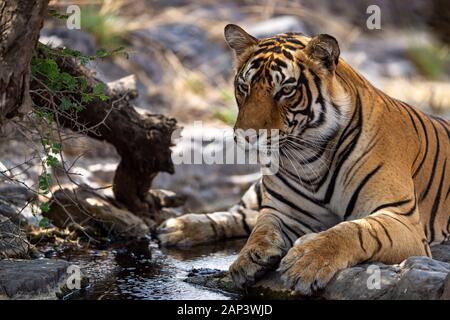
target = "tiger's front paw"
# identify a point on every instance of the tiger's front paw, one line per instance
(252, 263)
(311, 263)
(187, 230)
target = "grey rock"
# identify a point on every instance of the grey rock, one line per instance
(446, 289)
(32, 279)
(441, 252)
(416, 278)
(74, 39)
(15, 194)
(207, 187)
(13, 243)
(422, 279)
(190, 43)
(95, 215)
(13, 200)
(280, 24)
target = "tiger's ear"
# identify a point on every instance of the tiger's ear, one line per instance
(238, 39)
(325, 49)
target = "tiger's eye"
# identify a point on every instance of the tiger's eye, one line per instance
(288, 90)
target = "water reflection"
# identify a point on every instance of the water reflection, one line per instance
(143, 271)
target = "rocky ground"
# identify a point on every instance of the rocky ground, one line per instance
(416, 278)
(184, 69)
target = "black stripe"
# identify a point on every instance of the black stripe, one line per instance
(360, 235)
(417, 133)
(285, 226)
(266, 44)
(299, 192)
(435, 162)
(242, 204)
(379, 244)
(288, 55)
(426, 139)
(258, 193)
(347, 151)
(214, 226)
(436, 203)
(398, 220)
(372, 144)
(244, 221)
(354, 198)
(391, 205)
(295, 41)
(444, 125)
(412, 120)
(411, 211)
(384, 229)
(282, 199)
(280, 63)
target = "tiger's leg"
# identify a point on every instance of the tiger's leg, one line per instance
(384, 236)
(267, 244)
(197, 228)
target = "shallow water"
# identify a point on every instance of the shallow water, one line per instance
(129, 272)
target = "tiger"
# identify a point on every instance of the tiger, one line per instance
(363, 177)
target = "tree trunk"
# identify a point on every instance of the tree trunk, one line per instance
(20, 23)
(142, 141)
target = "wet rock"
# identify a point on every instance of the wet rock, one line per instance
(89, 212)
(417, 278)
(202, 272)
(32, 279)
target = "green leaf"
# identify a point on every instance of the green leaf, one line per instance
(86, 97)
(56, 147)
(45, 141)
(68, 81)
(83, 83)
(58, 15)
(45, 207)
(84, 60)
(101, 53)
(50, 117)
(72, 52)
(65, 104)
(44, 223)
(50, 69)
(44, 182)
(52, 161)
(78, 107)
(99, 89)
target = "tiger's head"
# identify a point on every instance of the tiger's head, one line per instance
(286, 82)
